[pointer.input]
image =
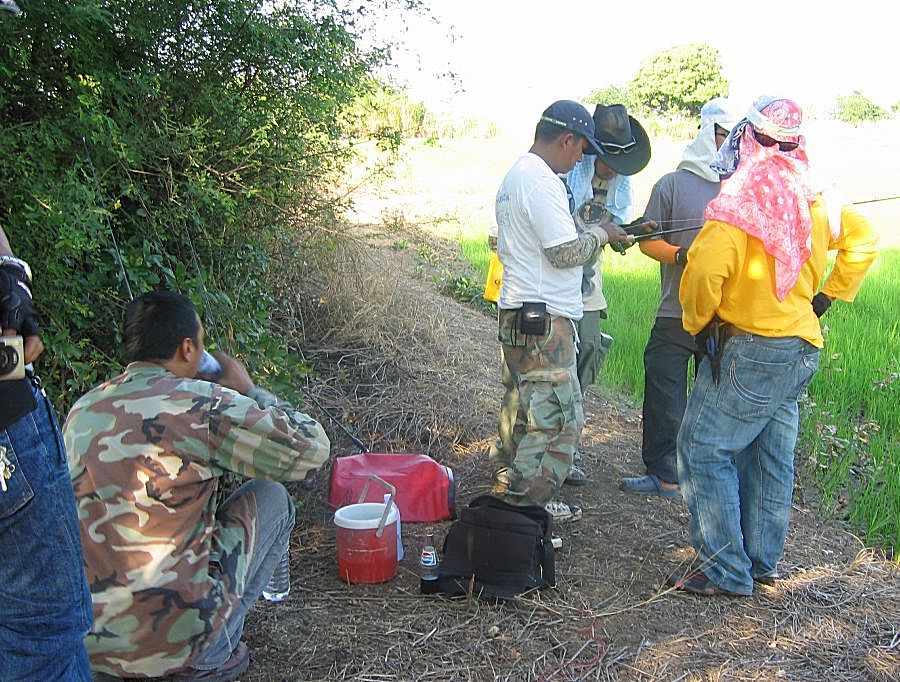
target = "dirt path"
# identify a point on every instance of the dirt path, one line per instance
(836, 616)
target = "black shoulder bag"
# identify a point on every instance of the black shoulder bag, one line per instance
(498, 550)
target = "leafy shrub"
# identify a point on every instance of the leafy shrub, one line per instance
(187, 142)
(388, 112)
(856, 108)
(611, 94)
(679, 80)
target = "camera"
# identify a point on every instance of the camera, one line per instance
(12, 358)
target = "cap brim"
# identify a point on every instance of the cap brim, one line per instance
(636, 160)
(594, 145)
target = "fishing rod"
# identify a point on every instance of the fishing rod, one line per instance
(662, 233)
(872, 201)
(362, 446)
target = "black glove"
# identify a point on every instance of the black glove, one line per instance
(681, 256)
(821, 303)
(640, 227)
(16, 309)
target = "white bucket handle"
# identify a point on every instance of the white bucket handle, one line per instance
(387, 507)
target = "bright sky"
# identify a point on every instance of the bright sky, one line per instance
(514, 57)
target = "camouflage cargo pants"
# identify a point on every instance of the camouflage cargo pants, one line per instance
(541, 414)
(592, 348)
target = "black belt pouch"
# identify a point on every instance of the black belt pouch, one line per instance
(533, 319)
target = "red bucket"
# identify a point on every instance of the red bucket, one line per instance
(366, 542)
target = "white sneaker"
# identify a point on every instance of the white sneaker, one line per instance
(562, 511)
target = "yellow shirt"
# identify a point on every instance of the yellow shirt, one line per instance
(729, 273)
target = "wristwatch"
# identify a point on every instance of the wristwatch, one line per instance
(19, 263)
(681, 256)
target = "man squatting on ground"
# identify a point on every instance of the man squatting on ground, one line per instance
(756, 266)
(677, 201)
(601, 190)
(540, 300)
(172, 575)
(45, 607)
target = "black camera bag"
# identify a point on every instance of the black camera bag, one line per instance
(498, 550)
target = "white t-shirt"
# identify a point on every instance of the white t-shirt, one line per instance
(533, 214)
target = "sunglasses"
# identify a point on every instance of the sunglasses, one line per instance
(615, 149)
(767, 141)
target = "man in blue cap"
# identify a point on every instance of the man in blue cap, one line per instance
(540, 301)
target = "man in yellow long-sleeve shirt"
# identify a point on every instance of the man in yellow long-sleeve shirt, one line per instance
(754, 269)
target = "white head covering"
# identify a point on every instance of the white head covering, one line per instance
(699, 154)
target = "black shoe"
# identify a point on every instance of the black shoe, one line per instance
(230, 670)
(766, 579)
(576, 476)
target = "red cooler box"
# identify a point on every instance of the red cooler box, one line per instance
(426, 490)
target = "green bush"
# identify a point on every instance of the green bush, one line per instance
(856, 108)
(188, 140)
(611, 94)
(386, 112)
(678, 80)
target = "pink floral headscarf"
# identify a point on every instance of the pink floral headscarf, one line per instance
(770, 193)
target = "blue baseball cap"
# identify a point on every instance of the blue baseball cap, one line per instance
(573, 117)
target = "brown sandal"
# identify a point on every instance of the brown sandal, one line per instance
(697, 582)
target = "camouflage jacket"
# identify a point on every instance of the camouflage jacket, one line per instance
(146, 451)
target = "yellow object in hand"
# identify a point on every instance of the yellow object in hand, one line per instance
(494, 280)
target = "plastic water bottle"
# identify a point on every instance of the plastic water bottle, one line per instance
(387, 500)
(428, 565)
(209, 369)
(279, 586)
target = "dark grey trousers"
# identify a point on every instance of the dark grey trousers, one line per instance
(665, 394)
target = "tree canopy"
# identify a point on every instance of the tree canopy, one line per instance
(679, 80)
(856, 108)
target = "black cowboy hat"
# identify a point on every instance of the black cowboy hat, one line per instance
(624, 144)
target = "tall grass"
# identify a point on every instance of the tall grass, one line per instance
(851, 422)
(852, 426)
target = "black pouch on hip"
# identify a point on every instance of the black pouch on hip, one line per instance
(533, 319)
(16, 400)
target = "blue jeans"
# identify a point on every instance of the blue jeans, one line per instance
(45, 606)
(274, 522)
(736, 456)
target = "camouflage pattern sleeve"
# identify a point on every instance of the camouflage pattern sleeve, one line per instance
(260, 436)
(146, 452)
(574, 253)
